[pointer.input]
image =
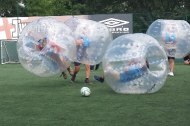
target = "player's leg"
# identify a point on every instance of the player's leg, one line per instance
(76, 70)
(87, 79)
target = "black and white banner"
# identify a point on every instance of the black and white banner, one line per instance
(118, 24)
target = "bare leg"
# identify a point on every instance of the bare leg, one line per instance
(171, 64)
(87, 73)
(76, 70)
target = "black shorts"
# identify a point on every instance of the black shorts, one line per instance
(77, 63)
(171, 57)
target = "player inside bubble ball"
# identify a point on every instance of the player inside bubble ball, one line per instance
(82, 44)
(56, 53)
(41, 44)
(52, 51)
(133, 70)
(169, 38)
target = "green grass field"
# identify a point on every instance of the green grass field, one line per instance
(28, 100)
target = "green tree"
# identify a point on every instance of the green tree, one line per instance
(9, 8)
(68, 7)
(38, 7)
(144, 11)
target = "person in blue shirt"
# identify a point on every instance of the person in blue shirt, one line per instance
(169, 38)
(82, 44)
(129, 73)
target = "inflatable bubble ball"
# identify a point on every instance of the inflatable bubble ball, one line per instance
(135, 64)
(174, 35)
(92, 39)
(45, 47)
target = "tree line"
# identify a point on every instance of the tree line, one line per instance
(144, 11)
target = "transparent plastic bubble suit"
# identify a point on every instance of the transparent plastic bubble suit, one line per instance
(135, 64)
(45, 47)
(96, 37)
(174, 35)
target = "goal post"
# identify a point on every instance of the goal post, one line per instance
(8, 52)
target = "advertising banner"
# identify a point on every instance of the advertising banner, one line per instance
(11, 27)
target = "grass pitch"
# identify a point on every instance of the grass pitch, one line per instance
(28, 100)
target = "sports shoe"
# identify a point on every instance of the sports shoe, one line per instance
(87, 81)
(100, 79)
(171, 74)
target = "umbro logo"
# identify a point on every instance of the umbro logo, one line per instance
(112, 22)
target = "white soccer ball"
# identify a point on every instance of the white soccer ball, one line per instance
(85, 91)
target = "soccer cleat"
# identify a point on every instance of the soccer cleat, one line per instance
(100, 79)
(171, 74)
(87, 81)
